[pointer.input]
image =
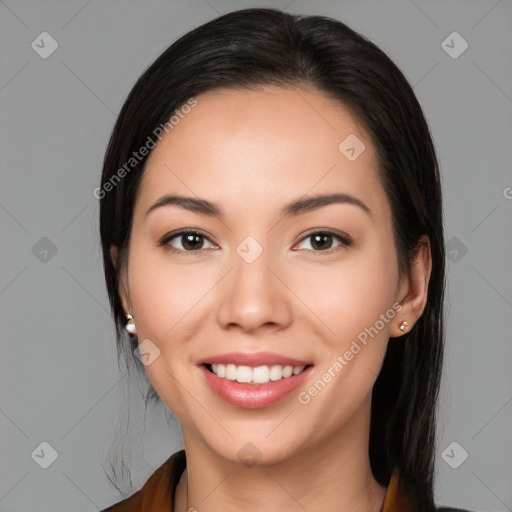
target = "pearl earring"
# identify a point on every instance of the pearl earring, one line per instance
(130, 325)
(403, 326)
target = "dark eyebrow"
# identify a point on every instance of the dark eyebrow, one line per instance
(189, 203)
(312, 203)
(298, 207)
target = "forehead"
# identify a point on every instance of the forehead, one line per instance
(260, 147)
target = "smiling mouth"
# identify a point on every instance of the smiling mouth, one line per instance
(255, 375)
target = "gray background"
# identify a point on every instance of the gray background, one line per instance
(60, 382)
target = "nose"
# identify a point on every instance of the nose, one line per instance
(254, 296)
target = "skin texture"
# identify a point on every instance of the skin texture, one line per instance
(252, 152)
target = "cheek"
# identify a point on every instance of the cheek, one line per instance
(349, 295)
(171, 300)
(167, 299)
(164, 295)
(355, 301)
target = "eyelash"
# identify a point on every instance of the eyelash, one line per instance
(344, 239)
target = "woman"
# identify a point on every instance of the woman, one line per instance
(271, 225)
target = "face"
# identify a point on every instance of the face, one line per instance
(317, 287)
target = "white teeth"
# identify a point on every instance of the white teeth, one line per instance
(287, 371)
(244, 374)
(231, 372)
(258, 375)
(276, 372)
(219, 369)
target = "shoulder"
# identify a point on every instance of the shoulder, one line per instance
(157, 493)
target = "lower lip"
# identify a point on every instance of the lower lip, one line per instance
(253, 396)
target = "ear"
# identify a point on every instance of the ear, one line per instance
(123, 290)
(413, 289)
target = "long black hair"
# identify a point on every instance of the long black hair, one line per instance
(253, 47)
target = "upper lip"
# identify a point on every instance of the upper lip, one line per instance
(254, 360)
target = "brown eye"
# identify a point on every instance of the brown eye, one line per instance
(186, 241)
(191, 241)
(322, 241)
